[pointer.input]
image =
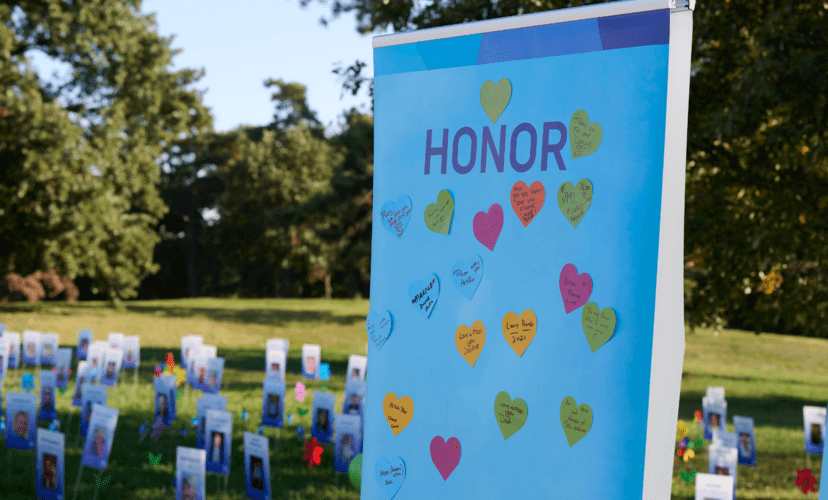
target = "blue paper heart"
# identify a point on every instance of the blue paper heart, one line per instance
(261, 430)
(325, 371)
(467, 275)
(423, 295)
(395, 216)
(390, 475)
(300, 432)
(379, 327)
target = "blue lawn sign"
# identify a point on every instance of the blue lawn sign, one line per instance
(49, 346)
(256, 466)
(219, 434)
(492, 138)
(348, 441)
(204, 403)
(50, 478)
(20, 420)
(311, 358)
(323, 415)
(93, 394)
(189, 473)
(13, 345)
(273, 406)
(84, 341)
(4, 358)
(48, 382)
(31, 347)
(746, 440)
(814, 419)
(132, 351)
(823, 480)
(64, 366)
(99, 436)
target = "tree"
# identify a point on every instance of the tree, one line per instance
(756, 171)
(79, 177)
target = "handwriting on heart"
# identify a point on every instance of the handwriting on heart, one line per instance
(398, 411)
(510, 415)
(378, 326)
(466, 275)
(445, 455)
(519, 330)
(527, 201)
(575, 288)
(424, 295)
(470, 341)
(598, 324)
(575, 420)
(395, 216)
(390, 475)
(584, 137)
(487, 226)
(574, 201)
(495, 98)
(438, 215)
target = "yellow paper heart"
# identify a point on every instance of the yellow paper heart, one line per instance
(519, 331)
(470, 341)
(398, 411)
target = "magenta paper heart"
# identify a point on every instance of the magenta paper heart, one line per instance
(445, 455)
(487, 226)
(575, 288)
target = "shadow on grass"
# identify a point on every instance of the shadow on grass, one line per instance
(269, 317)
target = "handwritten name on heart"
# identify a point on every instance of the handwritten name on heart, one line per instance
(467, 275)
(574, 201)
(395, 216)
(378, 326)
(487, 226)
(470, 341)
(519, 330)
(599, 325)
(527, 201)
(398, 411)
(390, 475)
(495, 98)
(584, 137)
(575, 288)
(575, 420)
(438, 215)
(510, 415)
(445, 455)
(424, 295)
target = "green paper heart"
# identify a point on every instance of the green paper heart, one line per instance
(510, 415)
(691, 444)
(574, 201)
(575, 420)
(598, 324)
(324, 388)
(699, 442)
(355, 471)
(301, 412)
(688, 476)
(495, 98)
(62, 390)
(584, 137)
(438, 215)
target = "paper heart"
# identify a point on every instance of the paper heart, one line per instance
(584, 137)
(575, 288)
(467, 275)
(574, 201)
(495, 98)
(398, 411)
(575, 420)
(519, 330)
(510, 415)
(378, 327)
(355, 471)
(438, 215)
(395, 216)
(423, 296)
(445, 455)
(688, 476)
(487, 226)
(598, 325)
(390, 475)
(470, 341)
(301, 412)
(527, 201)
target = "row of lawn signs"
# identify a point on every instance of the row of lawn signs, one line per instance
(728, 448)
(205, 370)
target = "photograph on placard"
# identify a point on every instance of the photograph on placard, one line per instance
(95, 359)
(273, 407)
(715, 415)
(219, 433)
(64, 365)
(92, 394)
(356, 368)
(713, 487)
(311, 359)
(49, 465)
(81, 377)
(746, 440)
(31, 347)
(132, 351)
(215, 372)
(256, 466)
(354, 403)
(348, 441)
(13, 346)
(275, 363)
(116, 340)
(322, 410)
(204, 403)
(723, 461)
(48, 348)
(112, 365)
(171, 383)
(21, 422)
(101, 432)
(189, 473)
(84, 341)
(48, 382)
(162, 389)
(4, 358)
(814, 419)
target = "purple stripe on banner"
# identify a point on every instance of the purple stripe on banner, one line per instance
(635, 30)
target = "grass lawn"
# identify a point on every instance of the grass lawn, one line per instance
(769, 378)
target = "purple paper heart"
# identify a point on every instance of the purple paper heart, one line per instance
(575, 288)
(445, 455)
(487, 226)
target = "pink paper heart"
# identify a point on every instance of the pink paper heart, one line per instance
(575, 288)
(445, 455)
(487, 227)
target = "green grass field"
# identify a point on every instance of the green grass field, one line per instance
(769, 378)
